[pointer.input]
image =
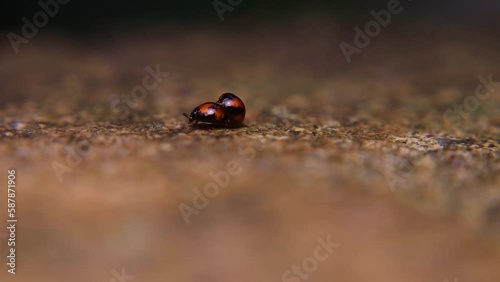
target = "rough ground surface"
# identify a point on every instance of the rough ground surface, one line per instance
(358, 152)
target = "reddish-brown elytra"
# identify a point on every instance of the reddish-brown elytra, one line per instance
(234, 107)
(209, 113)
(228, 111)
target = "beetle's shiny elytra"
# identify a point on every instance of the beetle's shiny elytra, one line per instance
(228, 111)
(234, 107)
(210, 113)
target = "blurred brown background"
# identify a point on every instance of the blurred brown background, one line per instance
(392, 157)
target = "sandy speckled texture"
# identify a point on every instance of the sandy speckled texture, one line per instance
(359, 152)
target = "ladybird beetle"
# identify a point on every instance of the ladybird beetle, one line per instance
(234, 107)
(228, 111)
(209, 113)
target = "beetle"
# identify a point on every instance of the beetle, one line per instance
(234, 107)
(208, 113)
(228, 111)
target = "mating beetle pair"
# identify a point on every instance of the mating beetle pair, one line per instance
(228, 111)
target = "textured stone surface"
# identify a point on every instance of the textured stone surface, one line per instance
(359, 152)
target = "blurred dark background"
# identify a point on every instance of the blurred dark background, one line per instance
(83, 16)
(294, 35)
